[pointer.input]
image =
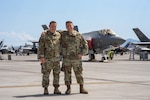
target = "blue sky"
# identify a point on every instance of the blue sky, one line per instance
(21, 20)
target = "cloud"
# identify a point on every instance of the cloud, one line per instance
(22, 36)
(14, 38)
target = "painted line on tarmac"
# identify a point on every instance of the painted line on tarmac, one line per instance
(34, 85)
(19, 71)
(37, 85)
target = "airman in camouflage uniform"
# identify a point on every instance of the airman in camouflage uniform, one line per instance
(73, 47)
(49, 53)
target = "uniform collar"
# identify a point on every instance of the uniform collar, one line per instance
(74, 33)
(52, 33)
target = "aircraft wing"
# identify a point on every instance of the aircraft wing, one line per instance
(142, 46)
(141, 43)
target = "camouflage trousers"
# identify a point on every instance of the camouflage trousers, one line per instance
(77, 68)
(47, 67)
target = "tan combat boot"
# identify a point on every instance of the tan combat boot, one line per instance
(68, 91)
(82, 90)
(46, 91)
(56, 90)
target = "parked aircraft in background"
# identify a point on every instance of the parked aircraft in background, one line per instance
(34, 46)
(142, 37)
(145, 41)
(142, 48)
(5, 49)
(19, 50)
(25, 49)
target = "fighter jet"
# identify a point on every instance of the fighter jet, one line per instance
(143, 47)
(142, 37)
(34, 47)
(102, 40)
(5, 49)
(144, 40)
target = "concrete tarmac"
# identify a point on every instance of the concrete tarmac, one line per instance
(119, 79)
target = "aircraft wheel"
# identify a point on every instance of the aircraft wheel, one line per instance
(103, 58)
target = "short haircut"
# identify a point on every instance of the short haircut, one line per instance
(69, 22)
(52, 22)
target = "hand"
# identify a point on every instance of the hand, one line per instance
(42, 60)
(79, 56)
(43, 33)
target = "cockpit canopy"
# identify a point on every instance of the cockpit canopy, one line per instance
(107, 32)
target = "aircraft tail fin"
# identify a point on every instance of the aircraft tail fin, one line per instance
(1, 43)
(76, 28)
(44, 27)
(141, 35)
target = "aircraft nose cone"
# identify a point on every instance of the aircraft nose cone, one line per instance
(121, 40)
(118, 41)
